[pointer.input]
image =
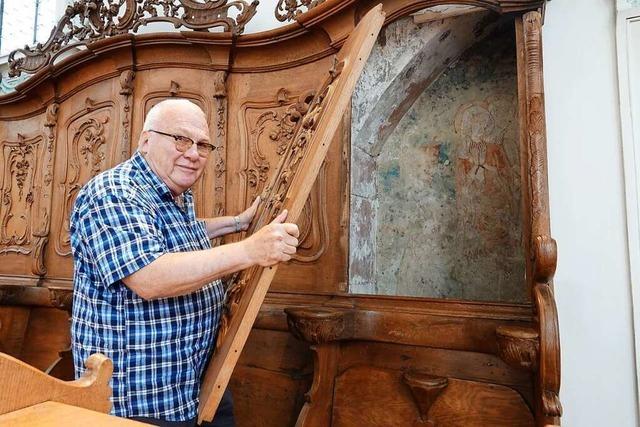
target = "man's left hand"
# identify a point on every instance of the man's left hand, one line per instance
(247, 216)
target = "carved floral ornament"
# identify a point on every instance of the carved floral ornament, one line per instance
(86, 21)
(288, 10)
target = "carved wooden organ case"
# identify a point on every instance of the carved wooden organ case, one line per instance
(320, 352)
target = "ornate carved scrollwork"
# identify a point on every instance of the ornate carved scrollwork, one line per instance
(43, 225)
(278, 123)
(126, 90)
(268, 132)
(87, 156)
(274, 195)
(86, 21)
(21, 203)
(287, 10)
(221, 112)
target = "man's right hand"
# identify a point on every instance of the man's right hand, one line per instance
(273, 243)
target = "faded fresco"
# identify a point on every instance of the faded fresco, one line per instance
(447, 186)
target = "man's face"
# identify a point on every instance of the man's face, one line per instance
(179, 170)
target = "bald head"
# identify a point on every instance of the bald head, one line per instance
(168, 122)
(169, 110)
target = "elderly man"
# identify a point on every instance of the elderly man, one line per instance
(146, 280)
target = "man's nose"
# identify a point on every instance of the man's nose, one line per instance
(192, 153)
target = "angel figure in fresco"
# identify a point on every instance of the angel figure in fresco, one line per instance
(485, 178)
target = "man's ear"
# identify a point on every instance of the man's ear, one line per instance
(143, 141)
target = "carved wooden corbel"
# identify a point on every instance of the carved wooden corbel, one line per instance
(61, 299)
(316, 325)
(425, 390)
(321, 327)
(518, 346)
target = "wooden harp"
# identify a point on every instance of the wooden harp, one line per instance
(289, 189)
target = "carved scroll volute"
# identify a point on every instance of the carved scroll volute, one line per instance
(549, 370)
(126, 90)
(220, 132)
(87, 21)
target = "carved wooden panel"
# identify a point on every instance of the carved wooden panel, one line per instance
(267, 131)
(372, 396)
(25, 191)
(89, 137)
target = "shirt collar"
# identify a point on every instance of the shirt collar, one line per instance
(150, 178)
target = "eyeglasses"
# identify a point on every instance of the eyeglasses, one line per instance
(183, 143)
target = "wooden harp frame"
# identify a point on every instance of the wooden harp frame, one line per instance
(289, 189)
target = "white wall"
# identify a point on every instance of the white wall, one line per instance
(588, 214)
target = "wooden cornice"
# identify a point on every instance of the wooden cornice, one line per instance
(327, 25)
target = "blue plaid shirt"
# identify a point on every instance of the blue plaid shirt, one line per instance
(122, 220)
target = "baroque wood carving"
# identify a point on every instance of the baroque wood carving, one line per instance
(86, 21)
(87, 151)
(221, 118)
(289, 189)
(126, 90)
(25, 208)
(543, 247)
(518, 346)
(289, 10)
(268, 132)
(41, 232)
